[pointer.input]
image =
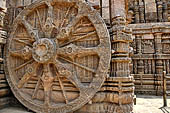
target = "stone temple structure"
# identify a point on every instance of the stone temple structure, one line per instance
(82, 56)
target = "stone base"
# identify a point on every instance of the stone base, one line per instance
(105, 108)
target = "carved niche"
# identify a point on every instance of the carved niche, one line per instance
(148, 43)
(166, 43)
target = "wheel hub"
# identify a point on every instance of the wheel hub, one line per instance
(43, 50)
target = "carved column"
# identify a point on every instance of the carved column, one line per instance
(122, 36)
(150, 11)
(105, 10)
(160, 11)
(158, 45)
(158, 62)
(158, 51)
(142, 11)
(120, 43)
(118, 8)
(136, 10)
(165, 11)
(138, 44)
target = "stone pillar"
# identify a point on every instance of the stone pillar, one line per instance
(158, 51)
(158, 43)
(138, 44)
(141, 12)
(105, 10)
(150, 11)
(122, 36)
(165, 10)
(159, 64)
(160, 11)
(118, 8)
(136, 11)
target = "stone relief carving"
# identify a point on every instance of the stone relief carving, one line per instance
(58, 55)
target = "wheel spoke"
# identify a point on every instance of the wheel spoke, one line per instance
(36, 88)
(47, 80)
(62, 88)
(47, 98)
(86, 35)
(49, 24)
(22, 39)
(22, 65)
(79, 26)
(39, 18)
(31, 71)
(24, 53)
(31, 31)
(79, 51)
(64, 20)
(66, 71)
(50, 10)
(75, 21)
(79, 65)
(66, 31)
(23, 42)
(83, 30)
(74, 80)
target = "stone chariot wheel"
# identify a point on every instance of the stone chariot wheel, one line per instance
(57, 55)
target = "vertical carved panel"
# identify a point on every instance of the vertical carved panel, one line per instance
(159, 66)
(118, 8)
(138, 40)
(160, 10)
(136, 11)
(166, 43)
(105, 9)
(168, 66)
(165, 11)
(150, 10)
(158, 43)
(149, 67)
(142, 11)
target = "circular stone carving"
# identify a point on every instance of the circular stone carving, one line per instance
(57, 55)
(43, 50)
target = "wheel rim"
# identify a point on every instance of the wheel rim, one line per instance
(51, 57)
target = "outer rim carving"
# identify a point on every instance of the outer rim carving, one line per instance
(100, 73)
